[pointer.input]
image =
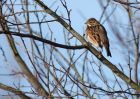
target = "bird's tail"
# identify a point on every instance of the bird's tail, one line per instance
(108, 52)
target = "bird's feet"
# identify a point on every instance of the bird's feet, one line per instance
(100, 54)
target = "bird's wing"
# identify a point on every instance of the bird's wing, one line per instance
(96, 35)
(103, 35)
(104, 39)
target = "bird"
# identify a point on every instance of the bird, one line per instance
(97, 35)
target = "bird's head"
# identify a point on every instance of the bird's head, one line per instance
(92, 22)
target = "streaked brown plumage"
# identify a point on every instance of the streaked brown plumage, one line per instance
(97, 35)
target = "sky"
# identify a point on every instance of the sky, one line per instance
(80, 12)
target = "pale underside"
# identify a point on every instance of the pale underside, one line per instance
(92, 40)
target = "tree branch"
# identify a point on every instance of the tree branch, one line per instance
(24, 67)
(15, 91)
(42, 40)
(89, 47)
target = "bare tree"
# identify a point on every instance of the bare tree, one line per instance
(57, 62)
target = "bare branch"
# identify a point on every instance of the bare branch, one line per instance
(90, 48)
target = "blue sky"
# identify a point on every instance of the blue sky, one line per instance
(81, 11)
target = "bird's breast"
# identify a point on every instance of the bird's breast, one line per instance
(92, 40)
